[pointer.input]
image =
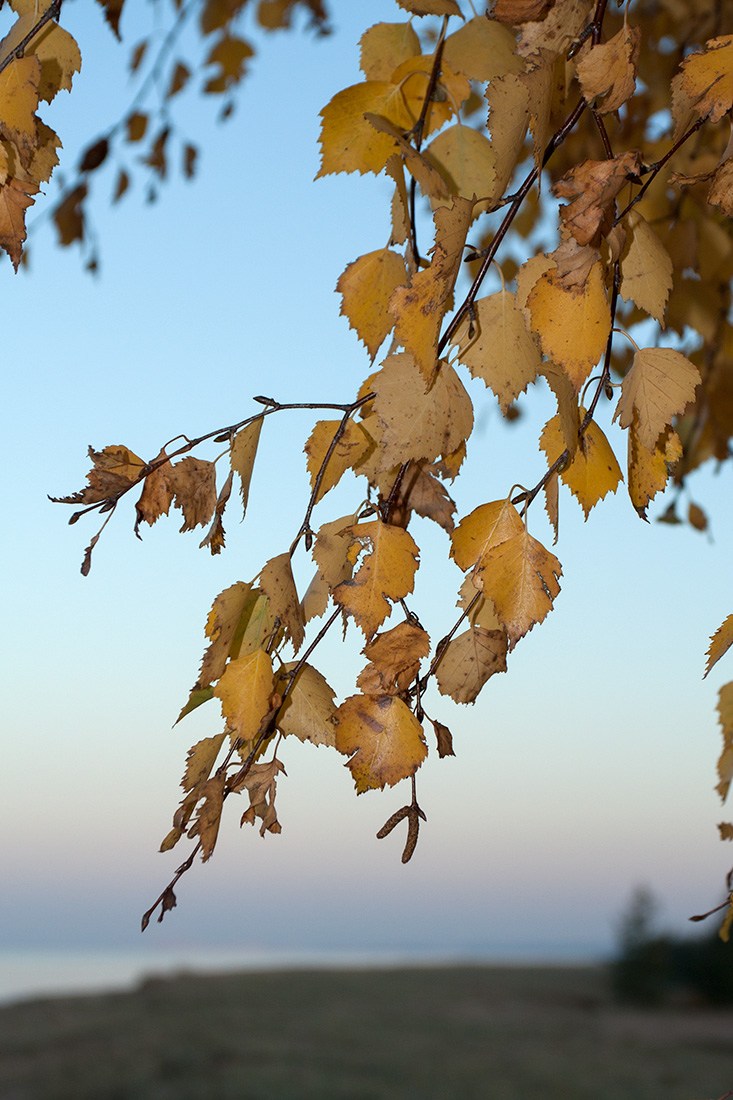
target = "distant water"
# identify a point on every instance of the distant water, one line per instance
(26, 974)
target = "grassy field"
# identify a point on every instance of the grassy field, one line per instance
(462, 1033)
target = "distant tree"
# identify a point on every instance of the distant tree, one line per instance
(624, 116)
(652, 968)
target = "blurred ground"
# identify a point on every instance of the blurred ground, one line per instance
(502, 1033)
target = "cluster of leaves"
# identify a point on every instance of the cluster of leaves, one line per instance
(616, 114)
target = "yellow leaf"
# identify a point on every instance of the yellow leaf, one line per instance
(594, 470)
(430, 7)
(242, 456)
(335, 551)
(394, 660)
(646, 268)
(419, 424)
(385, 46)
(351, 448)
(387, 573)
(18, 102)
(609, 69)
(501, 352)
(487, 526)
(428, 178)
(238, 623)
(519, 576)
(244, 689)
(572, 324)
(720, 643)
(15, 198)
(308, 709)
(348, 142)
(648, 470)
(508, 121)
(660, 384)
(707, 77)
(482, 50)
(56, 50)
(725, 717)
(482, 613)
(276, 581)
(365, 287)
(419, 308)
(552, 503)
(465, 159)
(468, 661)
(200, 760)
(383, 738)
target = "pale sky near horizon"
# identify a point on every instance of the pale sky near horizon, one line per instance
(586, 770)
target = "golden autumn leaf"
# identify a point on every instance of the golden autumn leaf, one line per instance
(519, 576)
(646, 268)
(242, 456)
(648, 471)
(419, 424)
(221, 626)
(200, 760)
(572, 324)
(508, 100)
(54, 47)
(659, 385)
(351, 448)
(394, 659)
(385, 46)
(386, 573)
(607, 70)
(19, 83)
(482, 612)
(707, 78)
(552, 503)
(557, 30)
(465, 159)
(428, 178)
(276, 581)
(482, 49)
(430, 7)
(244, 690)
(15, 198)
(501, 352)
(725, 717)
(365, 288)
(383, 738)
(720, 643)
(469, 660)
(419, 308)
(309, 707)
(593, 472)
(487, 526)
(336, 550)
(348, 142)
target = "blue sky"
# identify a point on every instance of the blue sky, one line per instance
(586, 770)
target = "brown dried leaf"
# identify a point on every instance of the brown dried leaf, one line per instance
(276, 581)
(468, 661)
